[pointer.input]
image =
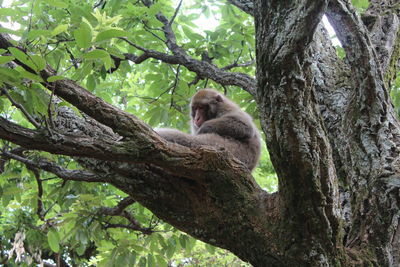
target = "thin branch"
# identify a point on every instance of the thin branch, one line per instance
(148, 29)
(74, 61)
(39, 211)
(73, 175)
(176, 81)
(146, 231)
(195, 80)
(20, 107)
(30, 17)
(236, 64)
(175, 14)
(120, 211)
(117, 210)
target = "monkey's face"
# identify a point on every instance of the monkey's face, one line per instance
(199, 114)
(204, 107)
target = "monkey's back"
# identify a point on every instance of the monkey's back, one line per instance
(247, 151)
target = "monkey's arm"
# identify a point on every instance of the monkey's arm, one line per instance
(176, 136)
(188, 140)
(238, 126)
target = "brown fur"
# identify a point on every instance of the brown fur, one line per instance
(223, 124)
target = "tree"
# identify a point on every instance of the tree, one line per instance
(329, 124)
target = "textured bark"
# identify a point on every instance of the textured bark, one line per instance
(331, 131)
(296, 137)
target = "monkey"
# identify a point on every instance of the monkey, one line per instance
(218, 122)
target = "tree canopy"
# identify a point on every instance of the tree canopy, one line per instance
(86, 181)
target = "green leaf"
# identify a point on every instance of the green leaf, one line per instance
(108, 34)
(108, 62)
(8, 12)
(28, 75)
(21, 56)
(57, 3)
(360, 4)
(83, 35)
(142, 262)
(340, 52)
(53, 240)
(171, 248)
(90, 83)
(55, 78)
(210, 249)
(80, 250)
(9, 75)
(161, 261)
(39, 62)
(96, 54)
(150, 261)
(182, 240)
(5, 59)
(83, 71)
(59, 29)
(37, 33)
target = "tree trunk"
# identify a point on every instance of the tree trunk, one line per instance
(352, 148)
(331, 131)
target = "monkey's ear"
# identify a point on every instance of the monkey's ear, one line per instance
(219, 98)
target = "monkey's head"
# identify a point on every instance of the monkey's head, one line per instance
(207, 104)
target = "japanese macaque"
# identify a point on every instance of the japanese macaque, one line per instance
(218, 122)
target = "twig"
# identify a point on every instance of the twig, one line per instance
(120, 211)
(30, 16)
(235, 64)
(146, 231)
(195, 80)
(73, 60)
(175, 14)
(120, 206)
(74, 175)
(39, 210)
(148, 29)
(175, 85)
(20, 107)
(49, 112)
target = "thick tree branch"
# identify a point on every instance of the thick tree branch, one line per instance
(296, 137)
(372, 144)
(382, 18)
(359, 52)
(161, 154)
(288, 35)
(186, 202)
(190, 204)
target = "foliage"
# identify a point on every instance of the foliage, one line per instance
(395, 93)
(86, 42)
(361, 5)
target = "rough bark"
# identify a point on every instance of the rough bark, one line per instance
(296, 137)
(331, 131)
